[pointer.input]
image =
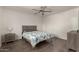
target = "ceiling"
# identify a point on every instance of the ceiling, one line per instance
(54, 9)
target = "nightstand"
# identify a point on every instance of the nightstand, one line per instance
(8, 37)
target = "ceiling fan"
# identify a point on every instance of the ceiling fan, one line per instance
(42, 10)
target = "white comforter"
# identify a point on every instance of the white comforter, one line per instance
(36, 37)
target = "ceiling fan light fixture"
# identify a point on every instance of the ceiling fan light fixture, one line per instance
(42, 10)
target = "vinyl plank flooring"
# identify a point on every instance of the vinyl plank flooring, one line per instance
(57, 45)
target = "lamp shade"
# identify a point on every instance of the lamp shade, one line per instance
(10, 29)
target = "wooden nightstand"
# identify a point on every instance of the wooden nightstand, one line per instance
(9, 37)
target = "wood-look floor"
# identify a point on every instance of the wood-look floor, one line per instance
(57, 45)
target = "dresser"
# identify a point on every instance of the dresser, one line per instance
(73, 40)
(9, 37)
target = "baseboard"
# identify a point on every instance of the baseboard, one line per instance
(59, 38)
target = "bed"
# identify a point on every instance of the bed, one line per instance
(33, 36)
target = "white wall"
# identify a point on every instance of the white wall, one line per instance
(15, 19)
(59, 24)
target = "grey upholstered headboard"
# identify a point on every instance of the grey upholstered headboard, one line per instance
(28, 28)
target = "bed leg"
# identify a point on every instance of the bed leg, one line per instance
(22, 37)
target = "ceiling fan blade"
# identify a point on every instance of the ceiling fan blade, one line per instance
(47, 11)
(35, 9)
(37, 12)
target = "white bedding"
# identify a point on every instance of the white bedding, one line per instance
(36, 37)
